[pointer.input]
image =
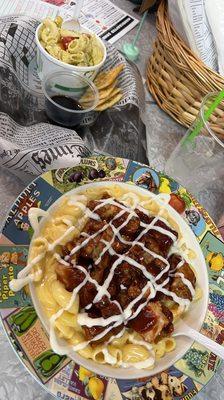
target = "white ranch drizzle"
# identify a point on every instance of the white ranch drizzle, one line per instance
(19, 283)
(57, 347)
(118, 336)
(109, 359)
(33, 215)
(179, 265)
(58, 241)
(61, 260)
(116, 320)
(116, 231)
(77, 203)
(26, 270)
(177, 249)
(91, 280)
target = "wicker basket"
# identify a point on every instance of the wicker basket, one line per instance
(177, 79)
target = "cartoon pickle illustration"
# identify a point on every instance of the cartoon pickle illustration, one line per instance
(95, 388)
(23, 320)
(48, 362)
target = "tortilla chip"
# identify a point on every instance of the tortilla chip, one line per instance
(105, 79)
(110, 102)
(113, 93)
(103, 94)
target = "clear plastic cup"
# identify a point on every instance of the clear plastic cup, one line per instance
(198, 162)
(64, 97)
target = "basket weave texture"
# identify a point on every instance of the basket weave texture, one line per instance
(177, 79)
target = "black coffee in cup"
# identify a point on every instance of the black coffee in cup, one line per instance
(62, 114)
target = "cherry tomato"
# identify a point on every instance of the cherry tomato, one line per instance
(66, 40)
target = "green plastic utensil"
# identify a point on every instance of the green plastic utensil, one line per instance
(130, 50)
(207, 115)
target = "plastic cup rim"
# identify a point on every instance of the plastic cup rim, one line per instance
(87, 81)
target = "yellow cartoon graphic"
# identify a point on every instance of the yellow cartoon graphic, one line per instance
(84, 374)
(96, 388)
(165, 186)
(215, 261)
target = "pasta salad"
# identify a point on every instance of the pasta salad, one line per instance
(72, 47)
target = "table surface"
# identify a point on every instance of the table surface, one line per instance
(163, 134)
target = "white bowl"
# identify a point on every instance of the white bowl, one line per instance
(47, 63)
(194, 317)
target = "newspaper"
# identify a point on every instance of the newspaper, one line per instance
(29, 144)
(190, 20)
(215, 13)
(102, 17)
